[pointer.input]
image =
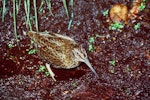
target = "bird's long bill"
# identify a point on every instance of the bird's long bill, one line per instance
(90, 66)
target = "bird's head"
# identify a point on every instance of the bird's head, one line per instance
(81, 55)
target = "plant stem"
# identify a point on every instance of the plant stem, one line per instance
(14, 18)
(35, 12)
(65, 5)
(49, 6)
(18, 2)
(27, 11)
(4, 9)
(40, 8)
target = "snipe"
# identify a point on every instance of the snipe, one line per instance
(59, 50)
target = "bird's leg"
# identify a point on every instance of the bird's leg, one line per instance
(50, 71)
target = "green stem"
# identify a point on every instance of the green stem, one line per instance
(27, 11)
(35, 12)
(4, 9)
(14, 18)
(18, 2)
(65, 5)
(49, 6)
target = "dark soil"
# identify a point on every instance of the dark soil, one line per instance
(127, 79)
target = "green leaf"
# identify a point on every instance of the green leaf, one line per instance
(113, 62)
(65, 6)
(142, 6)
(137, 26)
(128, 68)
(42, 68)
(10, 46)
(32, 42)
(33, 51)
(105, 13)
(47, 73)
(69, 25)
(75, 84)
(71, 3)
(116, 26)
(49, 6)
(91, 40)
(91, 47)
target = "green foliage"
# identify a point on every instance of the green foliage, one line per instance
(43, 69)
(33, 51)
(116, 26)
(66, 9)
(137, 26)
(41, 4)
(48, 2)
(3, 10)
(71, 3)
(91, 47)
(31, 42)
(105, 13)
(10, 46)
(72, 14)
(14, 19)
(113, 62)
(74, 84)
(18, 3)
(143, 5)
(27, 11)
(91, 40)
(128, 68)
(127, 91)
(35, 13)
(69, 25)
(47, 73)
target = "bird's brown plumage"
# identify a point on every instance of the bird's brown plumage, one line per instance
(59, 50)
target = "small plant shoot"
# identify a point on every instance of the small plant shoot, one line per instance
(143, 5)
(42, 68)
(91, 40)
(137, 26)
(116, 26)
(91, 47)
(105, 13)
(47, 73)
(10, 46)
(113, 62)
(33, 51)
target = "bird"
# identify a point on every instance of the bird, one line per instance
(59, 50)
